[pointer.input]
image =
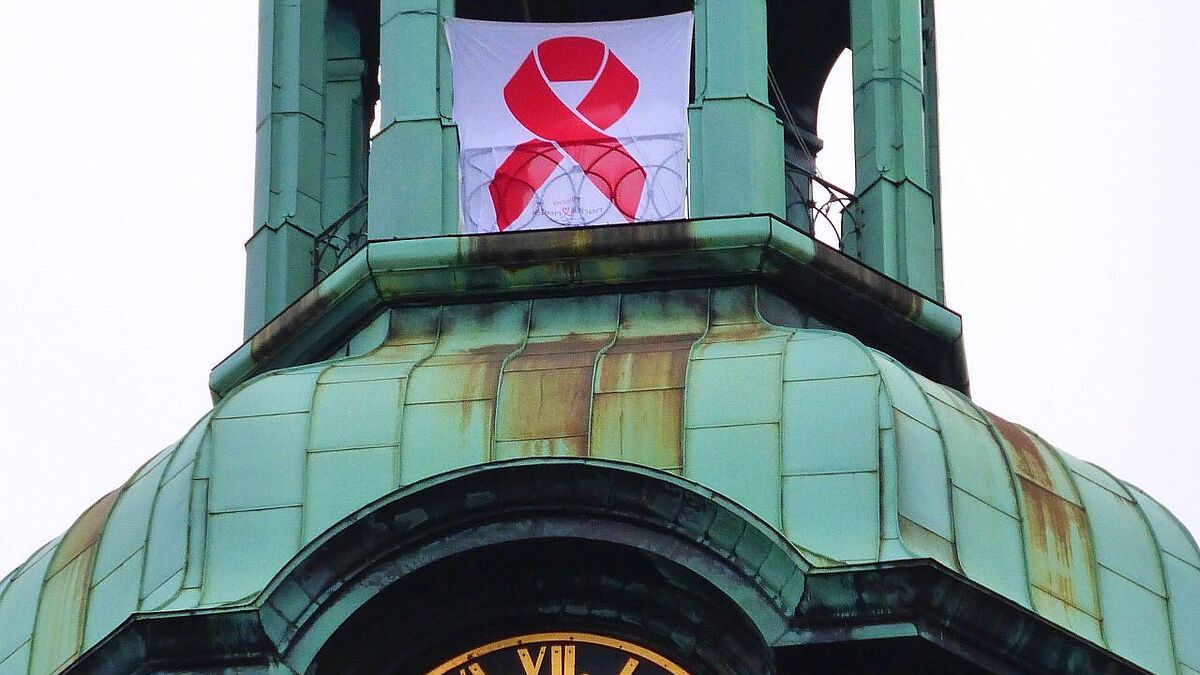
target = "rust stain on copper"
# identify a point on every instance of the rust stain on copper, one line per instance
(1030, 461)
(1049, 515)
(551, 403)
(467, 378)
(68, 584)
(639, 426)
(546, 390)
(571, 351)
(85, 532)
(644, 363)
(637, 410)
(468, 412)
(479, 383)
(463, 377)
(739, 332)
(479, 380)
(542, 447)
(1052, 522)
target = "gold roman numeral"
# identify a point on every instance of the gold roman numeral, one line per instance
(530, 666)
(473, 669)
(562, 660)
(630, 666)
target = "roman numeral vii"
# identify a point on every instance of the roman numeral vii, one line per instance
(562, 661)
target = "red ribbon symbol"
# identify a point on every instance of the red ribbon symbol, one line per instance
(578, 132)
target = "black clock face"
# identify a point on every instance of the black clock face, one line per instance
(559, 654)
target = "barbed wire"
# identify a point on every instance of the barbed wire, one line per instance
(664, 198)
(562, 199)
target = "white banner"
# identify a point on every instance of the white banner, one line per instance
(568, 124)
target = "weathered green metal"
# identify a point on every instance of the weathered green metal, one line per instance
(316, 87)
(737, 142)
(430, 354)
(933, 153)
(894, 92)
(414, 157)
(349, 96)
(290, 145)
(851, 457)
(59, 631)
(699, 252)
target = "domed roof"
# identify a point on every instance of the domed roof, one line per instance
(851, 456)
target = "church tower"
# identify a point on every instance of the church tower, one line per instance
(705, 443)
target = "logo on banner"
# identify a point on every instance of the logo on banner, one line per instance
(579, 132)
(563, 125)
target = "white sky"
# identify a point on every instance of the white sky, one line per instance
(1069, 145)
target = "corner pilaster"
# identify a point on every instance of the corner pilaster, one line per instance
(413, 174)
(290, 147)
(737, 158)
(898, 231)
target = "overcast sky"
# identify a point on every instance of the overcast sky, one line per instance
(1069, 146)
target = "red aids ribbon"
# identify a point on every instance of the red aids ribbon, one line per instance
(578, 132)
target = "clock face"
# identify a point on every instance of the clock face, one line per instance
(559, 654)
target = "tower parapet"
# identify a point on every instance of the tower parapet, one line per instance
(328, 189)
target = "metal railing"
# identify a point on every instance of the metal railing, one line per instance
(822, 209)
(816, 207)
(340, 241)
(812, 203)
(836, 208)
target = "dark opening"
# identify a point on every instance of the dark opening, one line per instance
(896, 656)
(351, 99)
(567, 10)
(804, 40)
(505, 590)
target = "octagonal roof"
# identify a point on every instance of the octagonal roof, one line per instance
(851, 456)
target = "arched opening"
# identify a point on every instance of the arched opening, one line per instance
(549, 545)
(835, 122)
(558, 586)
(805, 38)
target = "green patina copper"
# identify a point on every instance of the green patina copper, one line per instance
(852, 457)
(317, 85)
(465, 268)
(429, 352)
